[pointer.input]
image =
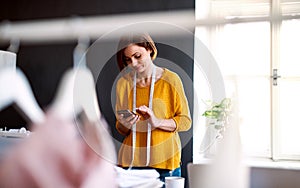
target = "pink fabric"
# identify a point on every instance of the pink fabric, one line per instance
(55, 155)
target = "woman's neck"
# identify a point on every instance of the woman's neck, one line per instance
(144, 79)
(146, 74)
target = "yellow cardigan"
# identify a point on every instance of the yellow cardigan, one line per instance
(169, 101)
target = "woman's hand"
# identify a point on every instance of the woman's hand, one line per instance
(148, 114)
(128, 122)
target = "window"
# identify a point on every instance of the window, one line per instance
(252, 41)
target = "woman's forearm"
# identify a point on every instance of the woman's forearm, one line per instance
(165, 124)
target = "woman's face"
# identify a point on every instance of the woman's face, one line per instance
(138, 57)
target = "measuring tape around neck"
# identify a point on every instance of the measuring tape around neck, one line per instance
(134, 110)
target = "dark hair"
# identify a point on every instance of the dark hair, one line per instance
(143, 40)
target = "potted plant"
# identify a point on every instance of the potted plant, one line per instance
(218, 113)
(216, 120)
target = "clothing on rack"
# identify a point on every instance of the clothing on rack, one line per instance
(62, 150)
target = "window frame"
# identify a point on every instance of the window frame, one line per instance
(275, 17)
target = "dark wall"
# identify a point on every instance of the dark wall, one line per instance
(44, 64)
(36, 9)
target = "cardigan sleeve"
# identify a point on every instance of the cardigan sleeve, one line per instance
(182, 116)
(121, 103)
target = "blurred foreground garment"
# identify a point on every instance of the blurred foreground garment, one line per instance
(56, 155)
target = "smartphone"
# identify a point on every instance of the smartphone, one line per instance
(126, 113)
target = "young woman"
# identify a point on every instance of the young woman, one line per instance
(156, 97)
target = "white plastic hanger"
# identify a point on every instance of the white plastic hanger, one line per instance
(15, 89)
(77, 95)
(76, 92)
